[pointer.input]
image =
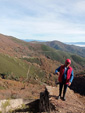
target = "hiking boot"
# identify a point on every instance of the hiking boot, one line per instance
(64, 99)
(58, 97)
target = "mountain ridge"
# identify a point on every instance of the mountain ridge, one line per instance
(68, 43)
(67, 48)
(31, 65)
(18, 48)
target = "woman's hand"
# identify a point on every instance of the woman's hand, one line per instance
(58, 73)
(69, 83)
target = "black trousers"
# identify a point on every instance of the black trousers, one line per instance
(60, 89)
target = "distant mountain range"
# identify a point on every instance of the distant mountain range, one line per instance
(67, 47)
(80, 44)
(33, 40)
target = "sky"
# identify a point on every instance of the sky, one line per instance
(48, 20)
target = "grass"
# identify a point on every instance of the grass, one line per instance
(55, 54)
(78, 59)
(2, 88)
(61, 56)
(17, 67)
(14, 68)
(33, 60)
(36, 72)
(10, 65)
(5, 104)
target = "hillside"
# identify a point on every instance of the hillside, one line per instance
(42, 57)
(29, 66)
(12, 67)
(65, 47)
(13, 46)
(31, 60)
(11, 89)
(14, 89)
(73, 103)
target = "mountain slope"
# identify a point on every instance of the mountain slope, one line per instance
(73, 103)
(33, 65)
(12, 67)
(68, 48)
(13, 46)
(18, 48)
(60, 56)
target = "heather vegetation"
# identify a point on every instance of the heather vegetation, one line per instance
(28, 67)
(78, 60)
(33, 60)
(16, 62)
(67, 48)
(14, 68)
(62, 55)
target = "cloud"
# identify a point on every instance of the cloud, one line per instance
(49, 19)
(80, 7)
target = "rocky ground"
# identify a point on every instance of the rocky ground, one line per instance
(74, 103)
(10, 89)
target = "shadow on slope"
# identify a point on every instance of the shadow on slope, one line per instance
(31, 107)
(78, 85)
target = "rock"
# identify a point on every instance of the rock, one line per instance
(45, 105)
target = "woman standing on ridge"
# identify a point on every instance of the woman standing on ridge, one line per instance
(66, 76)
